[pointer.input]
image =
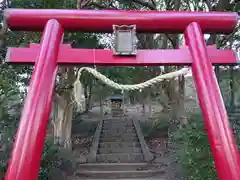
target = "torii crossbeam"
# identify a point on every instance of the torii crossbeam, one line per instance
(26, 155)
(68, 55)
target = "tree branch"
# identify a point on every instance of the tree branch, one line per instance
(223, 4)
(100, 6)
(170, 39)
(146, 3)
(208, 3)
(154, 3)
(82, 3)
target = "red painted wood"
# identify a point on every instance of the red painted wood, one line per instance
(29, 142)
(25, 159)
(103, 20)
(105, 57)
(38, 46)
(224, 149)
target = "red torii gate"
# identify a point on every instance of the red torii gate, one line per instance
(28, 147)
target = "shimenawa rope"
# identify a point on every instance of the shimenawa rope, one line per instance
(78, 90)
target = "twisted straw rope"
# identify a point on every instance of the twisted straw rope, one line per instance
(78, 89)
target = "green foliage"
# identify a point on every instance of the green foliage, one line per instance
(194, 154)
(49, 160)
(159, 128)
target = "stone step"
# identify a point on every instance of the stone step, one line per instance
(234, 118)
(119, 129)
(119, 174)
(118, 144)
(119, 150)
(119, 138)
(117, 125)
(120, 158)
(118, 134)
(117, 122)
(153, 178)
(126, 122)
(117, 119)
(116, 166)
(233, 114)
(235, 111)
(117, 111)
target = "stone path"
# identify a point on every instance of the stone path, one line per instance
(120, 155)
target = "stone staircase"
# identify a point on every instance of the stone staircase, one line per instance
(119, 143)
(234, 118)
(119, 151)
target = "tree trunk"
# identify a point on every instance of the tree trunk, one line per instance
(149, 105)
(62, 122)
(88, 96)
(143, 102)
(181, 101)
(101, 105)
(123, 103)
(143, 108)
(231, 85)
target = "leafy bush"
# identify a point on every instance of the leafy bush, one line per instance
(194, 153)
(50, 160)
(157, 128)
